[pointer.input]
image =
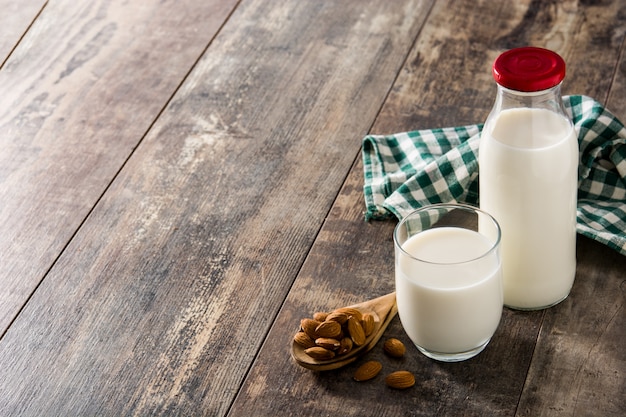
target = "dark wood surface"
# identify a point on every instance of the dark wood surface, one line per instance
(181, 182)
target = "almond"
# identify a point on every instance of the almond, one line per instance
(328, 343)
(367, 371)
(328, 329)
(320, 353)
(320, 316)
(368, 323)
(345, 346)
(304, 340)
(356, 331)
(394, 347)
(341, 334)
(350, 311)
(400, 380)
(340, 318)
(308, 326)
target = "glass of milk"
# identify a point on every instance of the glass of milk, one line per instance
(448, 279)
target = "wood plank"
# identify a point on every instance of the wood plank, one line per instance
(162, 299)
(352, 261)
(616, 100)
(579, 363)
(447, 82)
(15, 19)
(579, 366)
(78, 95)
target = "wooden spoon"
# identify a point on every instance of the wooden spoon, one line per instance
(382, 308)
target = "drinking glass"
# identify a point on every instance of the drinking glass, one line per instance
(448, 279)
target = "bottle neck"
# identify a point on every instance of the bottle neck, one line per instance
(549, 99)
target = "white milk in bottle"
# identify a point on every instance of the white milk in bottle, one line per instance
(528, 161)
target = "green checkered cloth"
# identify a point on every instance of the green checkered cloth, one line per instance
(412, 169)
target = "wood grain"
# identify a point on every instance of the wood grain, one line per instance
(447, 81)
(579, 362)
(160, 302)
(181, 182)
(351, 261)
(78, 94)
(578, 365)
(15, 19)
(616, 101)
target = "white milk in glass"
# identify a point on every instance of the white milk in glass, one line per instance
(528, 182)
(449, 298)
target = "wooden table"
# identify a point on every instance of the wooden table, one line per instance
(181, 182)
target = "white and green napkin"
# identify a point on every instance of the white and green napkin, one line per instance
(408, 170)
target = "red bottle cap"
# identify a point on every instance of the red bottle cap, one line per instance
(529, 69)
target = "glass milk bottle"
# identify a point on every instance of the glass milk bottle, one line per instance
(528, 177)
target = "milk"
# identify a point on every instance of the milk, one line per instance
(449, 295)
(528, 162)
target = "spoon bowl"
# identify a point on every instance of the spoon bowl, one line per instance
(383, 309)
